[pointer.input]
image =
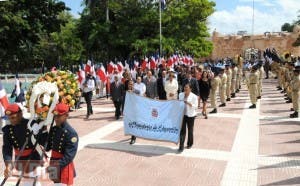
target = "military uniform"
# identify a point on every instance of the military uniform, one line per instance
(252, 84)
(63, 142)
(228, 84)
(17, 138)
(259, 85)
(233, 80)
(222, 89)
(215, 83)
(295, 93)
(13, 139)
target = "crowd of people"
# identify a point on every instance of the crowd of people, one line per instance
(188, 83)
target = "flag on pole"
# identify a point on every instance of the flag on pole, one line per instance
(17, 85)
(102, 74)
(163, 4)
(3, 99)
(81, 73)
(88, 67)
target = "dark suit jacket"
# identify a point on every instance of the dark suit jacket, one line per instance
(160, 89)
(117, 93)
(194, 85)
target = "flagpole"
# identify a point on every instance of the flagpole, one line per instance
(160, 39)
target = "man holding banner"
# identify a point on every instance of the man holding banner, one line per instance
(191, 101)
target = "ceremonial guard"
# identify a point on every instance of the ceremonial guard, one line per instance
(239, 77)
(229, 79)
(260, 76)
(215, 83)
(63, 141)
(295, 90)
(252, 85)
(222, 87)
(17, 137)
(233, 80)
(289, 77)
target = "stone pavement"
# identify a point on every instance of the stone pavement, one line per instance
(235, 147)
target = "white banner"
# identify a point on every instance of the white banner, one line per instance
(153, 119)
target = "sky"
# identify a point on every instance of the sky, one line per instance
(236, 15)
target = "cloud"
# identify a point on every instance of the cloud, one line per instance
(266, 17)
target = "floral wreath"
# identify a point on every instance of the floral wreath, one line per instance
(49, 89)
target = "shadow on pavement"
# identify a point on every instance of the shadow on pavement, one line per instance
(286, 164)
(286, 155)
(136, 149)
(282, 123)
(290, 181)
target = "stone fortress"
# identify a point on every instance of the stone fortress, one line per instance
(231, 45)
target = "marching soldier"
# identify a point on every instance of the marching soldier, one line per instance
(252, 84)
(229, 79)
(289, 77)
(295, 91)
(63, 142)
(222, 87)
(239, 74)
(234, 79)
(260, 76)
(17, 138)
(215, 83)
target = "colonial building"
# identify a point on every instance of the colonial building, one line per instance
(231, 45)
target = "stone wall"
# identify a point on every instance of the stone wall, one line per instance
(231, 45)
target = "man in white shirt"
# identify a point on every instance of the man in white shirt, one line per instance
(88, 88)
(191, 102)
(139, 87)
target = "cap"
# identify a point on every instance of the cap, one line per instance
(12, 109)
(61, 109)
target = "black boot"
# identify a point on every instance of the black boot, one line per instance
(289, 101)
(213, 111)
(132, 140)
(233, 95)
(228, 99)
(252, 106)
(222, 105)
(294, 115)
(237, 91)
(258, 97)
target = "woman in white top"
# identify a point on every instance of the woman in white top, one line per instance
(171, 87)
(191, 102)
(139, 87)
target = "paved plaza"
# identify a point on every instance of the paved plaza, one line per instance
(235, 147)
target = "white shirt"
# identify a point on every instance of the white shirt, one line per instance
(171, 87)
(189, 111)
(139, 87)
(90, 85)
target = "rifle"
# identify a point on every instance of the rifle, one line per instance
(17, 158)
(30, 156)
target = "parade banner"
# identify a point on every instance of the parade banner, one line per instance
(153, 119)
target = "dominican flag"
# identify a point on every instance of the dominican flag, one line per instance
(81, 73)
(163, 4)
(120, 66)
(152, 63)
(3, 99)
(88, 67)
(102, 74)
(110, 67)
(17, 84)
(144, 63)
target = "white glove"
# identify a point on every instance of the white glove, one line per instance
(35, 128)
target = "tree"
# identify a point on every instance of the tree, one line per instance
(22, 23)
(287, 27)
(61, 48)
(132, 28)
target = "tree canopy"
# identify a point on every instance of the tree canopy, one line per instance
(130, 28)
(22, 25)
